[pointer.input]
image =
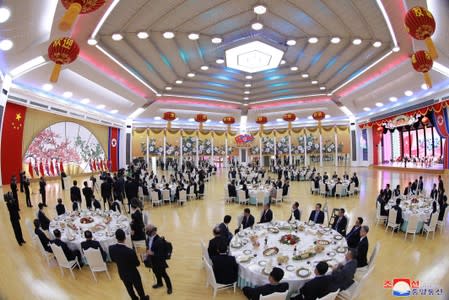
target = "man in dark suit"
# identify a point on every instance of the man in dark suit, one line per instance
(285, 188)
(75, 193)
(248, 219)
(340, 222)
(319, 286)
(96, 204)
(443, 207)
(408, 189)
(296, 214)
(131, 191)
(42, 217)
(43, 238)
(353, 237)
(90, 243)
(42, 185)
(26, 188)
(267, 214)
(317, 215)
(362, 248)
(106, 191)
(14, 217)
(232, 190)
(156, 253)
(224, 228)
(88, 195)
(343, 275)
(60, 208)
(212, 248)
(355, 179)
(14, 189)
(69, 254)
(225, 267)
(398, 210)
(388, 192)
(274, 286)
(127, 263)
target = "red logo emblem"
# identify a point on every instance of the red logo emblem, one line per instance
(113, 143)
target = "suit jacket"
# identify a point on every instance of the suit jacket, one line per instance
(67, 252)
(60, 209)
(126, 260)
(285, 190)
(232, 191)
(296, 215)
(131, 189)
(254, 293)
(137, 226)
(212, 249)
(343, 277)
(248, 221)
(442, 210)
(340, 225)
(158, 261)
(362, 253)
(43, 220)
(318, 287)
(93, 244)
(388, 194)
(88, 194)
(75, 194)
(225, 268)
(224, 231)
(267, 216)
(42, 185)
(106, 189)
(45, 241)
(353, 237)
(399, 214)
(320, 218)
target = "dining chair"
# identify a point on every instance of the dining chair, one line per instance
(95, 262)
(412, 226)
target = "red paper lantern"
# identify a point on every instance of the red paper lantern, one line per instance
(76, 7)
(422, 62)
(318, 115)
(62, 51)
(420, 24)
(425, 120)
(289, 117)
(261, 120)
(201, 118)
(228, 120)
(169, 117)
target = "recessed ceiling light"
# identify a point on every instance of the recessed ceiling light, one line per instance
(366, 109)
(157, 118)
(178, 81)
(85, 101)
(249, 77)
(220, 61)
(408, 93)
(245, 98)
(393, 99)
(247, 92)
(117, 37)
(329, 94)
(257, 26)
(101, 106)
(216, 40)
(92, 42)
(314, 81)
(47, 87)
(377, 44)
(291, 42)
(424, 86)
(114, 111)
(396, 49)
(356, 41)
(6, 45)
(279, 120)
(260, 9)
(245, 104)
(168, 35)
(335, 40)
(322, 88)
(190, 75)
(143, 35)
(282, 62)
(327, 116)
(313, 40)
(193, 36)
(168, 88)
(204, 68)
(248, 85)
(191, 120)
(305, 75)
(310, 117)
(294, 68)
(379, 104)
(67, 94)
(4, 14)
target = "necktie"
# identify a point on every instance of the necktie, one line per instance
(316, 217)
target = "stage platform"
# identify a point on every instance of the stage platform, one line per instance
(411, 167)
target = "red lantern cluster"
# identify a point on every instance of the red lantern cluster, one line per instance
(62, 51)
(421, 25)
(422, 62)
(169, 116)
(261, 120)
(289, 117)
(318, 115)
(76, 7)
(228, 120)
(200, 118)
(425, 120)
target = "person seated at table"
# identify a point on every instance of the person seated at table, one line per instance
(319, 286)
(96, 204)
(226, 269)
(381, 201)
(268, 181)
(355, 179)
(247, 220)
(334, 189)
(414, 187)
(353, 237)
(90, 243)
(158, 191)
(345, 176)
(408, 189)
(317, 216)
(397, 191)
(278, 184)
(334, 176)
(434, 192)
(398, 209)
(362, 248)
(60, 208)
(267, 214)
(69, 254)
(443, 207)
(285, 188)
(114, 205)
(167, 188)
(137, 226)
(296, 214)
(232, 190)
(44, 221)
(273, 192)
(179, 187)
(224, 228)
(387, 192)
(212, 248)
(340, 222)
(343, 274)
(43, 238)
(316, 182)
(245, 189)
(274, 286)
(325, 177)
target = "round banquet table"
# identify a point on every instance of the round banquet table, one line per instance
(423, 209)
(252, 191)
(251, 273)
(72, 230)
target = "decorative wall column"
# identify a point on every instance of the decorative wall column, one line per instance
(260, 150)
(321, 149)
(212, 147)
(147, 152)
(181, 151)
(275, 150)
(226, 150)
(305, 149)
(289, 149)
(164, 146)
(197, 156)
(336, 145)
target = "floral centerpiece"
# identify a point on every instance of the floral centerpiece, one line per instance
(86, 220)
(289, 239)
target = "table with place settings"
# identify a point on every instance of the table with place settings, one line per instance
(296, 247)
(102, 224)
(252, 192)
(416, 205)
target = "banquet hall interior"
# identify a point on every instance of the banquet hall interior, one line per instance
(224, 149)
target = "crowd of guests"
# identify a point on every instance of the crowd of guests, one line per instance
(317, 179)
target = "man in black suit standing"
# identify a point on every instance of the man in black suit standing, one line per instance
(317, 216)
(14, 217)
(224, 228)
(319, 286)
(231, 189)
(267, 214)
(157, 255)
(225, 267)
(398, 210)
(296, 214)
(42, 217)
(14, 190)
(343, 275)
(353, 237)
(106, 191)
(88, 195)
(69, 254)
(26, 188)
(274, 286)
(341, 222)
(127, 263)
(362, 248)
(90, 243)
(42, 185)
(131, 191)
(75, 193)
(388, 192)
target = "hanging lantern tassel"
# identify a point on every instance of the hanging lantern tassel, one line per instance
(229, 128)
(55, 73)
(431, 47)
(70, 16)
(289, 126)
(427, 79)
(201, 126)
(169, 125)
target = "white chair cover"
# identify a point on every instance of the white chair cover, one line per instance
(95, 261)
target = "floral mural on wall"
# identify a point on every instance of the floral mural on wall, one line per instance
(154, 150)
(282, 145)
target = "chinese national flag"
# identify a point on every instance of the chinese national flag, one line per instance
(30, 169)
(11, 143)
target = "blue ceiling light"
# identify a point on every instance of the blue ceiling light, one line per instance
(280, 84)
(342, 69)
(184, 56)
(166, 60)
(149, 66)
(275, 77)
(212, 91)
(281, 91)
(316, 58)
(220, 85)
(330, 63)
(223, 77)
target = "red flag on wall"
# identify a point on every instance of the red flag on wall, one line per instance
(61, 166)
(30, 169)
(11, 143)
(113, 148)
(94, 165)
(52, 168)
(41, 168)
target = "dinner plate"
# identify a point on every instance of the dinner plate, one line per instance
(273, 230)
(331, 254)
(244, 258)
(241, 234)
(247, 252)
(72, 238)
(99, 234)
(326, 228)
(322, 242)
(290, 268)
(341, 249)
(271, 251)
(266, 272)
(303, 272)
(236, 245)
(262, 263)
(338, 237)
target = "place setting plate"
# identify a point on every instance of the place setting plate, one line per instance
(271, 251)
(290, 268)
(322, 242)
(244, 258)
(303, 272)
(331, 254)
(341, 249)
(273, 230)
(262, 263)
(247, 252)
(236, 245)
(338, 237)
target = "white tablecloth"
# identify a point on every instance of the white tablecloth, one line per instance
(251, 273)
(105, 236)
